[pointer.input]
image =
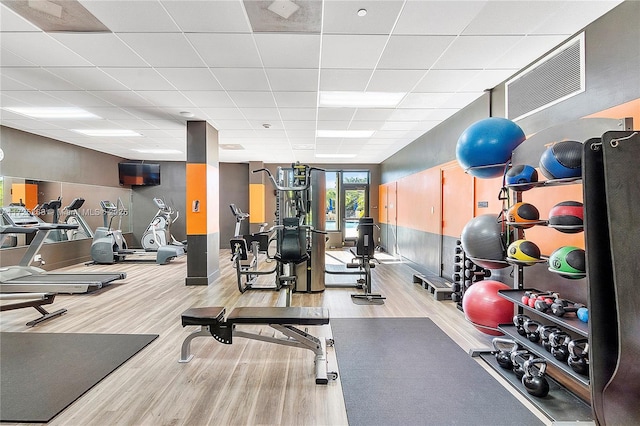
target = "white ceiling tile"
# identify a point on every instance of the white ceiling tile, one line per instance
(8, 84)
(208, 16)
(366, 125)
(139, 78)
(242, 78)
(329, 114)
(10, 59)
(29, 98)
(111, 113)
(296, 99)
(163, 50)
(88, 78)
(131, 16)
(568, 17)
(527, 50)
(333, 125)
(226, 50)
(302, 134)
(209, 98)
(344, 79)
(11, 21)
(78, 98)
(37, 78)
(266, 114)
(288, 50)
(424, 100)
(101, 49)
(475, 52)
(190, 78)
(340, 16)
(122, 98)
(409, 114)
(166, 98)
(394, 80)
(460, 100)
(293, 80)
(297, 113)
(252, 99)
(509, 17)
(357, 51)
(373, 114)
(223, 113)
(41, 49)
(300, 125)
(399, 125)
(413, 51)
(437, 17)
(449, 80)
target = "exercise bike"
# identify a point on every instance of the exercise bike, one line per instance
(364, 259)
(158, 232)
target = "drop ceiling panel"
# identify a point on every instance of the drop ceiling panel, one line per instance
(475, 52)
(122, 98)
(163, 50)
(496, 17)
(437, 17)
(208, 16)
(223, 113)
(267, 114)
(88, 78)
(394, 80)
(290, 80)
(28, 98)
(341, 17)
(357, 51)
(139, 78)
(529, 47)
(242, 78)
(449, 80)
(101, 49)
(41, 49)
(328, 114)
(298, 113)
(11, 21)
(78, 98)
(132, 16)
(568, 17)
(226, 50)
(344, 79)
(413, 52)
(209, 98)
(289, 50)
(10, 59)
(190, 78)
(296, 99)
(37, 78)
(166, 98)
(252, 99)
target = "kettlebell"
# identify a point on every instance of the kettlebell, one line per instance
(545, 332)
(559, 341)
(579, 356)
(518, 321)
(532, 328)
(503, 348)
(517, 360)
(534, 381)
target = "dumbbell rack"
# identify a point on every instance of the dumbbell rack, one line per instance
(465, 273)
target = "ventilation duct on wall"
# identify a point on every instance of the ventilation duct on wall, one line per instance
(554, 78)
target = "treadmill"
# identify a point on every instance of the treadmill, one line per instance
(24, 278)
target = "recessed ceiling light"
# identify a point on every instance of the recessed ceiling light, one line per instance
(107, 132)
(335, 155)
(360, 99)
(53, 112)
(303, 147)
(344, 133)
(187, 114)
(158, 151)
(362, 12)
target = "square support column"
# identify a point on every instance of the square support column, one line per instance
(203, 198)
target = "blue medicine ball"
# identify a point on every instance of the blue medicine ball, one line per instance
(521, 174)
(487, 142)
(562, 160)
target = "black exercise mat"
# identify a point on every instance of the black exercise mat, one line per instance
(43, 373)
(406, 371)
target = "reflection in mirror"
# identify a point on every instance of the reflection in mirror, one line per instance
(60, 202)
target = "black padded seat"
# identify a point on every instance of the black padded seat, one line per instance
(203, 316)
(292, 315)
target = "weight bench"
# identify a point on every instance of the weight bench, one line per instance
(284, 319)
(34, 300)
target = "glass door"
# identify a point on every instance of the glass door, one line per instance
(355, 205)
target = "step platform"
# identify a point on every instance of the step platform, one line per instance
(438, 286)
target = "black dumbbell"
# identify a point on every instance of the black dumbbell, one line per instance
(534, 381)
(559, 342)
(532, 328)
(578, 358)
(560, 307)
(518, 321)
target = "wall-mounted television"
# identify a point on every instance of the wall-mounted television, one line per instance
(139, 174)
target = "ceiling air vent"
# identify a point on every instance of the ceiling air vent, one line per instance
(554, 78)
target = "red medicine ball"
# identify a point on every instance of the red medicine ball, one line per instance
(567, 217)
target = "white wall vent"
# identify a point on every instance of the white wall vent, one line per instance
(554, 78)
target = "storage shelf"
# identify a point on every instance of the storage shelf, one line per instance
(560, 405)
(569, 322)
(511, 331)
(545, 183)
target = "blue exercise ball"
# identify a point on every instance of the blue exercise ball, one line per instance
(487, 142)
(562, 160)
(520, 175)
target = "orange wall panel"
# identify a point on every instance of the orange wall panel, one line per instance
(457, 199)
(628, 109)
(487, 190)
(382, 197)
(256, 203)
(196, 191)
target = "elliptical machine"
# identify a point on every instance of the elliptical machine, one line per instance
(73, 218)
(158, 232)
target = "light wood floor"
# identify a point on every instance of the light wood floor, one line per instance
(247, 383)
